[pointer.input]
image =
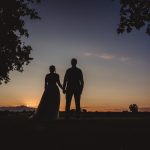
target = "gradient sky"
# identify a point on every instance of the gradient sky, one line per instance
(116, 68)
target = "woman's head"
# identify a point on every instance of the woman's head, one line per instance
(52, 69)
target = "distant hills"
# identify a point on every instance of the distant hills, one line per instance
(17, 108)
(26, 108)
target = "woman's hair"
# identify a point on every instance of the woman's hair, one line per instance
(52, 68)
(73, 61)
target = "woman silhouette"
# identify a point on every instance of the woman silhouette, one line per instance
(48, 108)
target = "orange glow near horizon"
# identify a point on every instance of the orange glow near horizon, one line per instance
(88, 107)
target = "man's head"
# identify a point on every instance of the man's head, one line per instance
(73, 62)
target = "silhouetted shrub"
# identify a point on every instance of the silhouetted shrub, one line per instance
(84, 110)
(133, 108)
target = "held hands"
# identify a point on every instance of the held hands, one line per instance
(64, 91)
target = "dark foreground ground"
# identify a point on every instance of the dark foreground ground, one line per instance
(93, 131)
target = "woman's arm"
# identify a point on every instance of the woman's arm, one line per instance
(59, 84)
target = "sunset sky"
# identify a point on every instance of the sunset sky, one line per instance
(116, 68)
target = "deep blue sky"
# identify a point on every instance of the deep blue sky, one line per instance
(115, 67)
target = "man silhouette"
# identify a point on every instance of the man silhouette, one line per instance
(73, 85)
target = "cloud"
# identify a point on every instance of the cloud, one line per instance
(88, 54)
(107, 56)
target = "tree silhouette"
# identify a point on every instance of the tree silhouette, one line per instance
(134, 14)
(133, 108)
(14, 53)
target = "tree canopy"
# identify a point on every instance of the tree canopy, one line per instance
(14, 53)
(134, 14)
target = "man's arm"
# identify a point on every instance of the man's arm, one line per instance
(65, 82)
(81, 81)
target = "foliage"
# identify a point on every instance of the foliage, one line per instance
(14, 53)
(134, 14)
(133, 108)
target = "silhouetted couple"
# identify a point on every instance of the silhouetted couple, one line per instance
(48, 108)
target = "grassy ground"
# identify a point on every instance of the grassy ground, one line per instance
(93, 131)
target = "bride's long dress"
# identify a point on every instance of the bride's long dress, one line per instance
(48, 108)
